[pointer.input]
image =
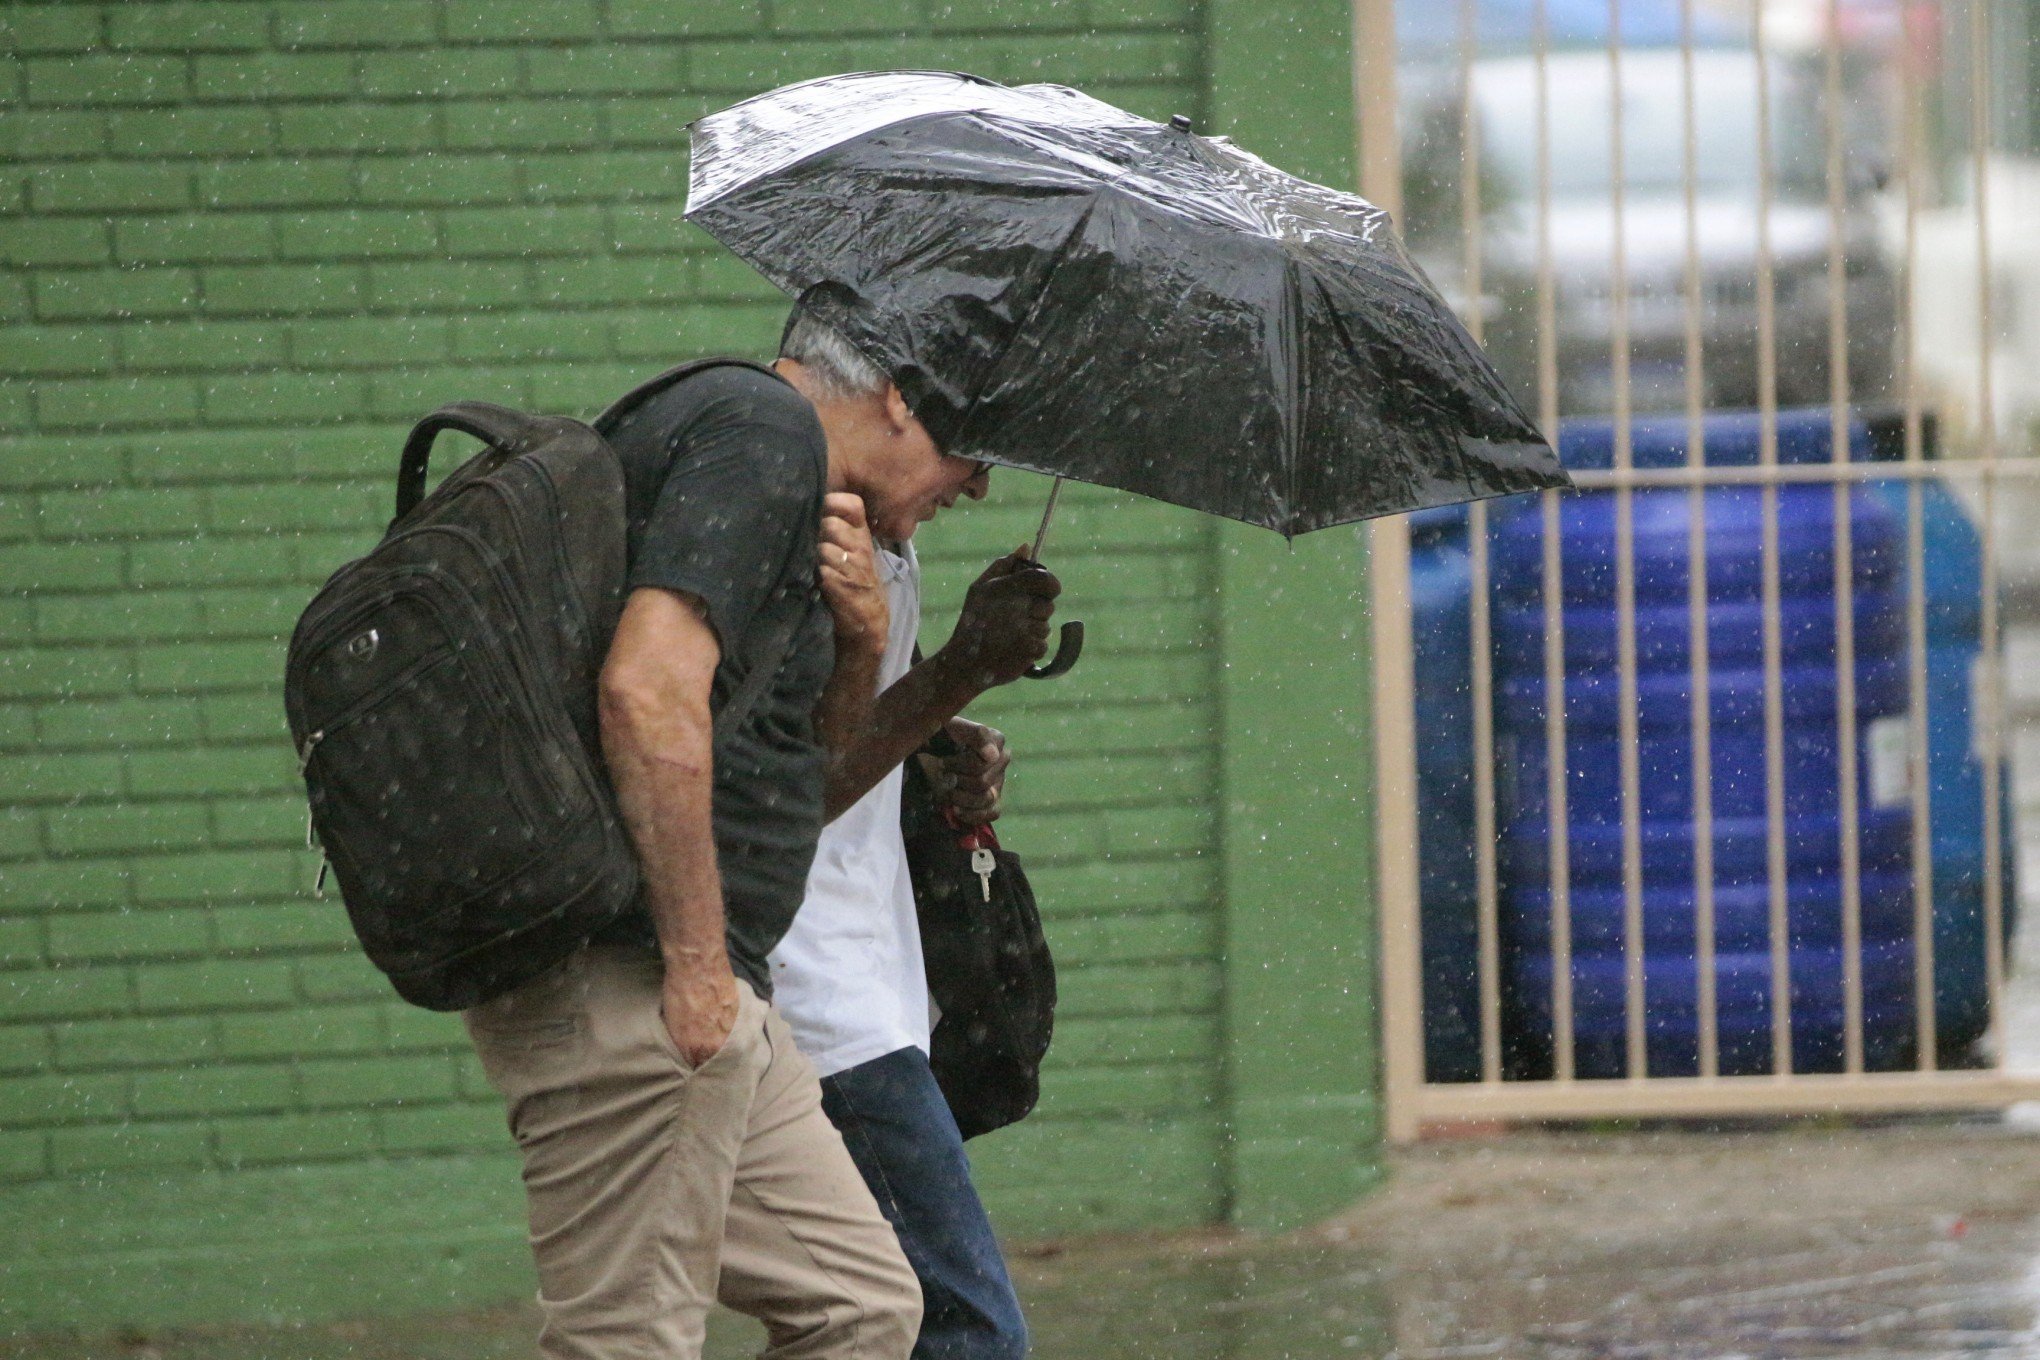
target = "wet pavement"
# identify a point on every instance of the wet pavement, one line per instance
(1897, 1242)
(1919, 1240)
(1910, 1240)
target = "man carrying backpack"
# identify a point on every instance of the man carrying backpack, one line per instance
(675, 1150)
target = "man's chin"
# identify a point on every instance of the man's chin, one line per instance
(904, 530)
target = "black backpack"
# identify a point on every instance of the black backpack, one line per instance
(441, 693)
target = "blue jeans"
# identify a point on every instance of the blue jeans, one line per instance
(903, 1138)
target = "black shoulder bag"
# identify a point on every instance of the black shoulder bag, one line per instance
(987, 961)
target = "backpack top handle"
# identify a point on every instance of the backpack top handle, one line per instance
(501, 428)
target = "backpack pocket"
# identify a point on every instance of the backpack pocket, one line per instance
(434, 773)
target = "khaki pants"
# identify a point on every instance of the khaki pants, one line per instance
(655, 1187)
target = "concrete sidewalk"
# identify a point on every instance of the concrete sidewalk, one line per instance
(1915, 1239)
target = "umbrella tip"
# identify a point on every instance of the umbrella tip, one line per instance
(1181, 122)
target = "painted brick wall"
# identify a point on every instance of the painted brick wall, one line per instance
(244, 243)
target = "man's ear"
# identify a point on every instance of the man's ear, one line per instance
(898, 415)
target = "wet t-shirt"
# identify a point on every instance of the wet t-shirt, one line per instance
(724, 475)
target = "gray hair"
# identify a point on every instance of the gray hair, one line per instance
(838, 369)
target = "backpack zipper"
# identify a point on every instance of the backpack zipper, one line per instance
(513, 675)
(515, 679)
(312, 832)
(524, 675)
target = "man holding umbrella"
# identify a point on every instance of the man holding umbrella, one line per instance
(1059, 286)
(1053, 284)
(849, 974)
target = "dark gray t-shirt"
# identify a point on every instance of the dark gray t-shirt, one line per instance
(724, 474)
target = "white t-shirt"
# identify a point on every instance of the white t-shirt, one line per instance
(848, 975)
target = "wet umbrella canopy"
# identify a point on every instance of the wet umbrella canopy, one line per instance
(1061, 286)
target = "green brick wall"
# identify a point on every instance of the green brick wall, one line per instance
(244, 243)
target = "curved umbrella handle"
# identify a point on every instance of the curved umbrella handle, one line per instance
(1069, 646)
(1070, 642)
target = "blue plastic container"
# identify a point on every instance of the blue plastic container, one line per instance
(1440, 588)
(1953, 554)
(1734, 521)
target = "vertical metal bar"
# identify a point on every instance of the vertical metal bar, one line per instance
(1480, 629)
(1993, 688)
(1556, 795)
(1469, 172)
(1627, 735)
(1484, 829)
(1388, 582)
(1845, 560)
(1919, 781)
(1774, 698)
(1547, 283)
(1396, 872)
(1701, 714)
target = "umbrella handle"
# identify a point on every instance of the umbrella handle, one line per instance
(1070, 642)
(1069, 646)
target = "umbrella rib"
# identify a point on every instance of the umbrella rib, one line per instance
(1294, 337)
(1025, 323)
(1365, 357)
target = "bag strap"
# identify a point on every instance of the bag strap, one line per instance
(504, 430)
(766, 661)
(501, 428)
(775, 651)
(651, 387)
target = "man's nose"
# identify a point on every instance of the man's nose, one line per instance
(979, 485)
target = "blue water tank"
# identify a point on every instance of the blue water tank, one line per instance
(1813, 839)
(1953, 554)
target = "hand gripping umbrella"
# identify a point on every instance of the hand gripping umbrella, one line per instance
(1057, 285)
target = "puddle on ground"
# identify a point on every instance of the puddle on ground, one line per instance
(1879, 1244)
(1975, 1293)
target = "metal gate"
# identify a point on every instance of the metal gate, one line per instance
(1976, 457)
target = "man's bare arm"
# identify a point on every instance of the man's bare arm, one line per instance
(910, 711)
(658, 738)
(1002, 631)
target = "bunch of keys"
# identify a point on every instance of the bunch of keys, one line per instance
(980, 841)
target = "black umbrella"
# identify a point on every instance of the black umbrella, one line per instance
(1058, 285)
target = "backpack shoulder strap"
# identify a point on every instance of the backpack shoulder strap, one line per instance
(764, 664)
(651, 387)
(771, 654)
